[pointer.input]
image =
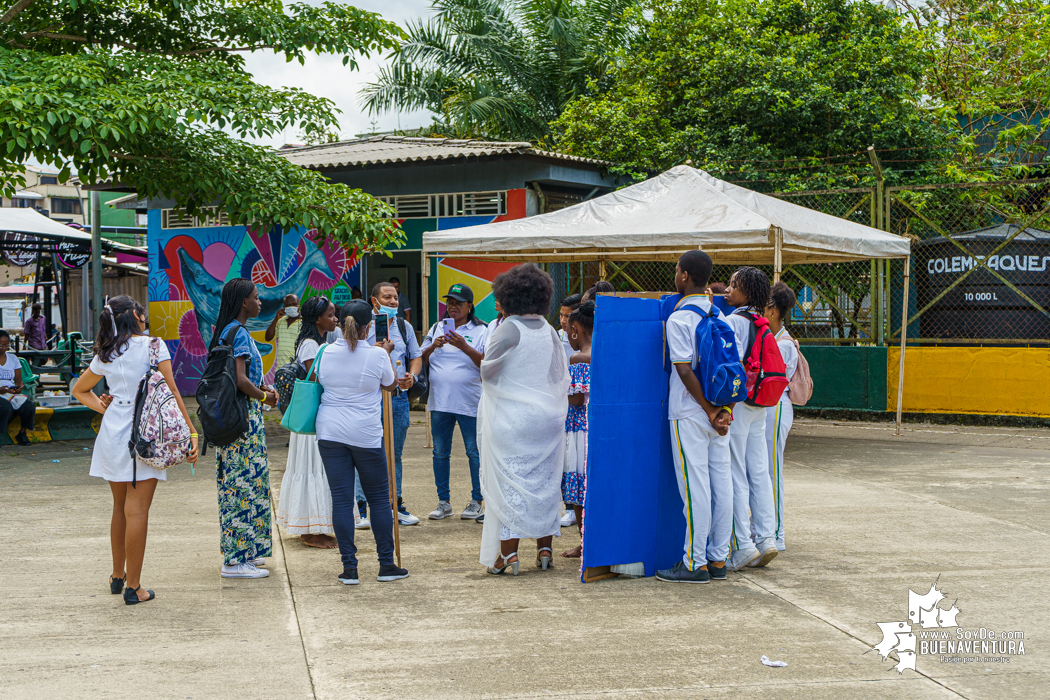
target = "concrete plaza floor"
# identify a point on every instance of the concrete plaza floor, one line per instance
(869, 516)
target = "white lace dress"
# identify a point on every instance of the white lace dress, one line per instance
(521, 432)
(305, 503)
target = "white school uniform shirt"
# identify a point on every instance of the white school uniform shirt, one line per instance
(741, 330)
(351, 410)
(681, 347)
(455, 381)
(788, 352)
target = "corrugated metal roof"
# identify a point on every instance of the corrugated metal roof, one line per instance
(378, 150)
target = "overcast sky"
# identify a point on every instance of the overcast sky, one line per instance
(325, 76)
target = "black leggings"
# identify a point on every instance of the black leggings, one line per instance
(27, 411)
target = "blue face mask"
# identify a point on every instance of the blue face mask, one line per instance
(391, 312)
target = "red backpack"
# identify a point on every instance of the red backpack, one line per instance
(763, 364)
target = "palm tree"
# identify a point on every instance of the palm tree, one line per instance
(501, 69)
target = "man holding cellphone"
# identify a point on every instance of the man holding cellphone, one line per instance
(406, 352)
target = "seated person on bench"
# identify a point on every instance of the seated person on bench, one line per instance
(12, 400)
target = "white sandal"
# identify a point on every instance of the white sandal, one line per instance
(496, 570)
(545, 562)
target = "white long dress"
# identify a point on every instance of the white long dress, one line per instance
(305, 505)
(111, 459)
(521, 432)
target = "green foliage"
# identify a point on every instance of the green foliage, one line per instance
(501, 69)
(143, 93)
(794, 83)
(988, 80)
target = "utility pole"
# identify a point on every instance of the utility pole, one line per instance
(96, 260)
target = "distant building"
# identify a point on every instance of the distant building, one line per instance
(66, 202)
(433, 184)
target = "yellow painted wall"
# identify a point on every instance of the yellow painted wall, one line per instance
(1011, 381)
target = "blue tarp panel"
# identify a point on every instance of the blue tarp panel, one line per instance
(633, 510)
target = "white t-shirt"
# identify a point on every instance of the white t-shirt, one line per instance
(681, 347)
(351, 410)
(306, 352)
(8, 369)
(455, 381)
(564, 337)
(789, 353)
(742, 330)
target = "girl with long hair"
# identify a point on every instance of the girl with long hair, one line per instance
(122, 357)
(305, 505)
(574, 478)
(243, 474)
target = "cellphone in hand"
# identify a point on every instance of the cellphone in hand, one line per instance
(382, 328)
(448, 325)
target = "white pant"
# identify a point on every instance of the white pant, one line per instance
(752, 489)
(778, 424)
(701, 460)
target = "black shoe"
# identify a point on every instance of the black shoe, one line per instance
(349, 576)
(389, 572)
(131, 596)
(23, 439)
(679, 574)
(116, 585)
(718, 573)
(480, 519)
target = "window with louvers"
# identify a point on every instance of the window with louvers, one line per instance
(421, 206)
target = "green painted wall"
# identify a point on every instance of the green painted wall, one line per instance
(112, 216)
(847, 377)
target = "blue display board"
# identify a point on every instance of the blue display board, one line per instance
(633, 510)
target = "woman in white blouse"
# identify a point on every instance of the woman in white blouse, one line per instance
(305, 506)
(122, 358)
(354, 374)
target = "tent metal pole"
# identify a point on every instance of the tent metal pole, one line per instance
(426, 329)
(904, 341)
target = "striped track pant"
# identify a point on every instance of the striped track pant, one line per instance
(701, 460)
(778, 424)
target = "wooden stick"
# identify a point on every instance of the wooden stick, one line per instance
(388, 444)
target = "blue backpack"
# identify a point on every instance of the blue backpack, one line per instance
(717, 364)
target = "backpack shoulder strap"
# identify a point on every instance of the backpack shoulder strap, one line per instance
(402, 329)
(154, 352)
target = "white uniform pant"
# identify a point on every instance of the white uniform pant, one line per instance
(752, 490)
(778, 424)
(701, 460)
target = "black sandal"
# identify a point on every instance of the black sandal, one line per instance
(116, 585)
(131, 596)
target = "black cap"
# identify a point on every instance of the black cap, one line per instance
(460, 292)
(360, 309)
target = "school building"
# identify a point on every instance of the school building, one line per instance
(433, 184)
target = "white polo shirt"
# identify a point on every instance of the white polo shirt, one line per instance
(788, 352)
(742, 330)
(351, 410)
(681, 347)
(455, 381)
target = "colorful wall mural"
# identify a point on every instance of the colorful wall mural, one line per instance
(188, 268)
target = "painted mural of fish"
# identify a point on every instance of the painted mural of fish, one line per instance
(206, 293)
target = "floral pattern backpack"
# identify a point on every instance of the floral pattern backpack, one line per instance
(159, 434)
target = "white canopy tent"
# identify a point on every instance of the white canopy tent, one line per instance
(661, 218)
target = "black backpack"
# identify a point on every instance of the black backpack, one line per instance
(221, 408)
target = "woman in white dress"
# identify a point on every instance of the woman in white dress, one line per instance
(305, 506)
(122, 358)
(521, 422)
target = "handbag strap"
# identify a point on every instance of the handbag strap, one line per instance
(317, 361)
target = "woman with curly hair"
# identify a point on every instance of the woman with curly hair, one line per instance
(305, 506)
(521, 422)
(751, 540)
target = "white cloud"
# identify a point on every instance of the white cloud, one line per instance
(326, 76)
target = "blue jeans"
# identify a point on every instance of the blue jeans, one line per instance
(442, 426)
(340, 463)
(400, 408)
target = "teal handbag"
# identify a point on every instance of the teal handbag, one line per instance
(301, 416)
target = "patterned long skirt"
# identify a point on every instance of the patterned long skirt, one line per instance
(243, 478)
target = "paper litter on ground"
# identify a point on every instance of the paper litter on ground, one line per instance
(776, 664)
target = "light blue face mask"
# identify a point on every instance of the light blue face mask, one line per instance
(389, 311)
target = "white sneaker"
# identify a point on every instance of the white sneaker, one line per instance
(741, 558)
(569, 519)
(362, 523)
(259, 561)
(443, 510)
(406, 519)
(245, 570)
(767, 552)
(471, 512)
